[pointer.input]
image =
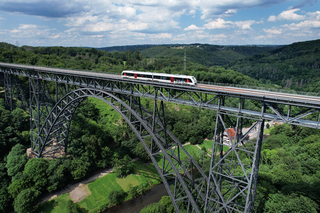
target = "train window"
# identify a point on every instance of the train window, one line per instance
(189, 80)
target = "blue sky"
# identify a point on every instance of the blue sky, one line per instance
(102, 23)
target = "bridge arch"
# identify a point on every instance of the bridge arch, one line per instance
(57, 124)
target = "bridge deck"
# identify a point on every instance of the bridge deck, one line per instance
(276, 97)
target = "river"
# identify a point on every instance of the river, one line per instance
(135, 205)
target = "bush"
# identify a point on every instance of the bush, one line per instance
(116, 197)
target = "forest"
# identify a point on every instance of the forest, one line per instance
(294, 66)
(288, 176)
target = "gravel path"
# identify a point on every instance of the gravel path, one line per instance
(73, 187)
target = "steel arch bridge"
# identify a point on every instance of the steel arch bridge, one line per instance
(231, 182)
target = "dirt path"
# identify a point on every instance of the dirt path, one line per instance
(77, 189)
(80, 190)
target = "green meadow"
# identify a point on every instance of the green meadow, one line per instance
(102, 187)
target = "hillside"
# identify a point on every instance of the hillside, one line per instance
(204, 54)
(116, 62)
(126, 48)
(208, 55)
(295, 66)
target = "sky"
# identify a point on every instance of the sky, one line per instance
(104, 23)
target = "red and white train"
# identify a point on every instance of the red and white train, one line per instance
(160, 77)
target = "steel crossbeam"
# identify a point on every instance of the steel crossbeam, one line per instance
(231, 182)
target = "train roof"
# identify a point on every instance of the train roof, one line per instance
(155, 73)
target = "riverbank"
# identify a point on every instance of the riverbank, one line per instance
(94, 195)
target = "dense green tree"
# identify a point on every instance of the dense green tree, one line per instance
(167, 204)
(57, 174)
(16, 160)
(22, 183)
(141, 152)
(26, 200)
(5, 180)
(163, 206)
(122, 167)
(74, 207)
(36, 169)
(116, 197)
(80, 167)
(5, 199)
(290, 203)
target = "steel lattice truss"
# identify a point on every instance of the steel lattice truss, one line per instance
(234, 179)
(231, 182)
(151, 130)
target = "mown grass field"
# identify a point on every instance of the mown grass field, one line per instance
(57, 205)
(102, 187)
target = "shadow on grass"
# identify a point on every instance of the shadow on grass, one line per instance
(47, 206)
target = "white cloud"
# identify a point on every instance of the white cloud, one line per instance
(303, 25)
(34, 32)
(220, 24)
(192, 12)
(99, 27)
(108, 22)
(272, 18)
(192, 27)
(306, 29)
(162, 36)
(28, 26)
(245, 25)
(314, 15)
(261, 37)
(288, 15)
(218, 37)
(273, 31)
(312, 22)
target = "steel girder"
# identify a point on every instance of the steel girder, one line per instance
(13, 91)
(188, 191)
(192, 96)
(233, 172)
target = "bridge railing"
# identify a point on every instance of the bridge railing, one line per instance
(289, 91)
(282, 90)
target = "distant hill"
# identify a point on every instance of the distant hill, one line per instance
(7, 45)
(296, 66)
(126, 48)
(204, 54)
